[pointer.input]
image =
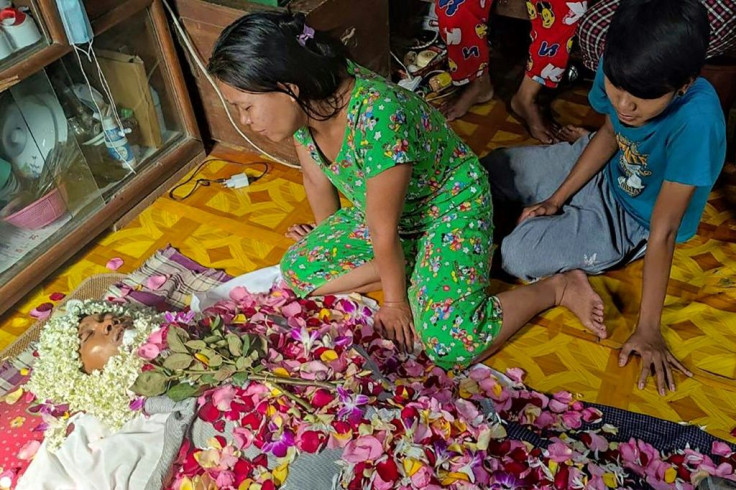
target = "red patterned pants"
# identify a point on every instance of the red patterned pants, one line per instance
(554, 23)
(463, 27)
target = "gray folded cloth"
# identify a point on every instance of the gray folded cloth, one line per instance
(177, 428)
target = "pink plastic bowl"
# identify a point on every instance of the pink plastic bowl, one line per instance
(39, 213)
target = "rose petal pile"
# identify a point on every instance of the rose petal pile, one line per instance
(402, 422)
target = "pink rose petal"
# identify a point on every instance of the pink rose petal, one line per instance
(721, 449)
(515, 374)
(149, 351)
(563, 396)
(598, 442)
(42, 311)
(223, 397)
(29, 450)
(292, 309)
(114, 263)
(572, 419)
(155, 282)
(421, 478)
(239, 293)
(557, 406)
(724, 470)
(57, 296)
(364, 448)
(559, 452)
(158, 336)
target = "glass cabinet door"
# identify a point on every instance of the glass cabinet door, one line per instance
(73, 135)
(119, 101)
(46, 187)
(22, 31)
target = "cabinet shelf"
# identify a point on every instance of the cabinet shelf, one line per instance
(71, 166)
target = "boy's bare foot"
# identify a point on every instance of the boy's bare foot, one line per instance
(571, 133)
(530, 114)
(575, 293)
(478, 91)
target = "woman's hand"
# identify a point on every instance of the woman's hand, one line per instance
(300, 230)
(395, 320)
(544, 208)
(650, 345)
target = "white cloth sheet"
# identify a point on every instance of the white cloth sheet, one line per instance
(93, 458)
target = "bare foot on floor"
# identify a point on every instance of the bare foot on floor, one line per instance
(478, 91)
(531, 115)
(571, 133)
(577, 295)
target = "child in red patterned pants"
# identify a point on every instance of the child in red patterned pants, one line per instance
(463, 26)
(554, 23)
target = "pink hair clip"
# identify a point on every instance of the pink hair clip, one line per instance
(307, 34)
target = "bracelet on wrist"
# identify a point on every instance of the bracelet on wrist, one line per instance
(394, 303)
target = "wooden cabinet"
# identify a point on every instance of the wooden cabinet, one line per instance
(364, 31)
(70, 167)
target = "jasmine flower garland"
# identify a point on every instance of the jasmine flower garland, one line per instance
(58, 377)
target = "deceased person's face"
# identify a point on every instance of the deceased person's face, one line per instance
(100, 337)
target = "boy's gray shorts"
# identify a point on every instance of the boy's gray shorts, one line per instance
(592, 232)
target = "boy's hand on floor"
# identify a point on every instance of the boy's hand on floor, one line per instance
(650, 345)
(397, 323)
(544, 208)
(300, 230)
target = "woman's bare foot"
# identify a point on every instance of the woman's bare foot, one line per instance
(478, 91)
(575, 293)
(571, 133)
(530, 113)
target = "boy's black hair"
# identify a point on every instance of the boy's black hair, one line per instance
(260, 52)
(656, 46)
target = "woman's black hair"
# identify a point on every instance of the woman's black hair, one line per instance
(261, 52)
(656, 46)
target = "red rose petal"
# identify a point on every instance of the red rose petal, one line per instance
(57, 296)
(243, 467)
(310, 441)
(219, 425)
(388, 470)
(42, 311)
(209, 413)
(322, 398)
(561, 477)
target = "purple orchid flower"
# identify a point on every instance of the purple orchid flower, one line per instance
(179, 316)
(502, 480)
(137, 403)
(343, 341)
(305, 337)
(280, 447)
(351, 404)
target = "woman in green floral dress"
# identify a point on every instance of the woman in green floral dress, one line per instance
(420, 226)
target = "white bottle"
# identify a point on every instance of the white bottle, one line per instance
(116, 143)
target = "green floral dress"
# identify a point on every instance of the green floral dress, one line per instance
(445, 228)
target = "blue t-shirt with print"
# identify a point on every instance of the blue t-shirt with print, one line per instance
(685, 144)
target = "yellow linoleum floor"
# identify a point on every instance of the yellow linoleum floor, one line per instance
(242, 230)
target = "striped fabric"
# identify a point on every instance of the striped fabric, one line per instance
(184, 277)
(594, 26)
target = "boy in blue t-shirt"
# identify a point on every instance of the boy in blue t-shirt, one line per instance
(637, 186)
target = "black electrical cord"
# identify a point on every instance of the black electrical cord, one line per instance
(207, 182)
